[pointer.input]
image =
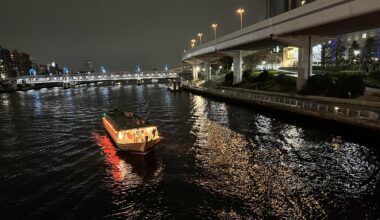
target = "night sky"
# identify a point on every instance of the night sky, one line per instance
(119, 34)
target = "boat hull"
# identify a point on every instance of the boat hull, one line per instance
(134, 148)
(138, 148)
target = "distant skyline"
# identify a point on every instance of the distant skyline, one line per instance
(118, 34)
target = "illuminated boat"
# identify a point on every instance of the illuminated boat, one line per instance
(130, 132)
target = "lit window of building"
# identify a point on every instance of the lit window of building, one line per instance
(364, 35)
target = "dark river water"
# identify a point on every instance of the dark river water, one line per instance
(217, 161)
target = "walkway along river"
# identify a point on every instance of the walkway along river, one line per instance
(217, 161)
(353, 112)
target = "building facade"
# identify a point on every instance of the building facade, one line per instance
(362, 40)
(276, 7)
(5, 63)
(21, 62)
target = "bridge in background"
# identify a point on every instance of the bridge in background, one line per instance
(303, 27)
(95, 77)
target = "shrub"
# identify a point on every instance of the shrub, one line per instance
(325, 85)
(247, 74)
(353, 84)
(375, 75)
(264, 76)
(319, 85)
(229, 79)
(286, 83)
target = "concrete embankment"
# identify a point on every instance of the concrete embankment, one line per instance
(353, 112)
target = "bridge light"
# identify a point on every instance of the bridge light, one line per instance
(193, 41)
(65, 70)
(241, 11)
(200, 35)
(32, 72)
(214, 26)
(103, 70)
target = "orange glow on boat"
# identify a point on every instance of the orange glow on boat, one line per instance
(110, 126)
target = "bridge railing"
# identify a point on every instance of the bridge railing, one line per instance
(95, 77)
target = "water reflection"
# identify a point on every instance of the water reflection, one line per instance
(217, 161)
(5, 105)
(128, 168)
(278, 170)
(36, 101)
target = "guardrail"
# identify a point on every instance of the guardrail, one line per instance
(327, 110)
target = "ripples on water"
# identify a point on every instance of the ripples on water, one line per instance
(217, 161)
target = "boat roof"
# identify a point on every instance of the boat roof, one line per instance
(123, 122)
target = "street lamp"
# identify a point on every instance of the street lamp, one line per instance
(214, 26)
(200, 35)
(241, 11)
(193, 43)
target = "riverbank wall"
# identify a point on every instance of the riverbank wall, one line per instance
(362, 114)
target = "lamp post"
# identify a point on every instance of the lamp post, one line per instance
(214, 26)
(241, 11)
(200, 35)
(193, 43)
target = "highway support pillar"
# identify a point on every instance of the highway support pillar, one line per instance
(238, 67)
(305, 62)
(195, 71)
(305, 54)
(207, 66)
(237, 57)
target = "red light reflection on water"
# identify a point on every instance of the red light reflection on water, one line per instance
(118, 170)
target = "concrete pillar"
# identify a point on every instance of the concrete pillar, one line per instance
(195, 71)
(237, 57)
(305, 54)
(238, 67)
(207, 66)
(305, 62)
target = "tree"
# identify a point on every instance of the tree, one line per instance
(333, 53)
(339, 52)
(369, 49)
(323, 55)
(353, 57)
(328, 55)
(227, 62)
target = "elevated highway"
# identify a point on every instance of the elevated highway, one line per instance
(302, 27)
